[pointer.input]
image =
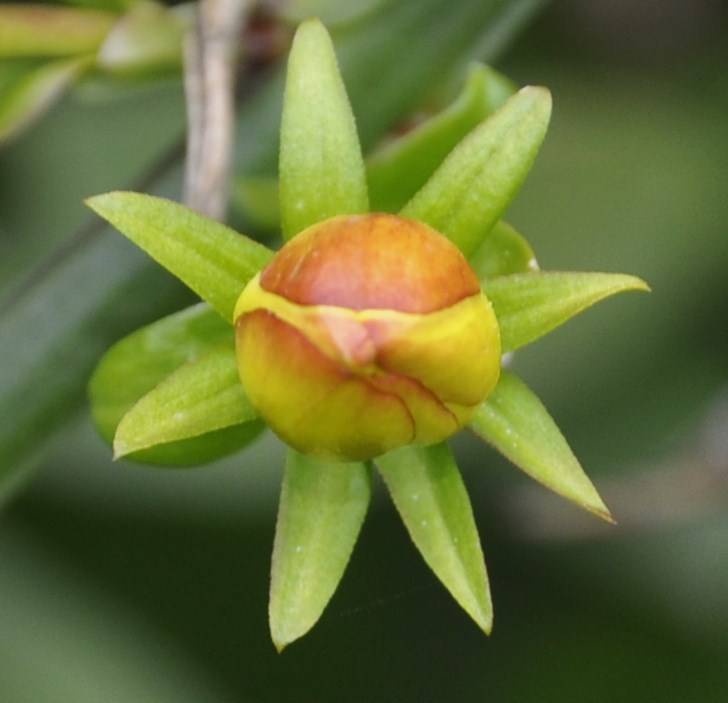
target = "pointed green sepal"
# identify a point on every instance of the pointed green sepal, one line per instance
(321, 167)
(138, 363)
(472, 188)
(429, 493)
(517, 424)
(321, 511)
(204, 395)
(530, 305)
(401, 167)
(213, 260)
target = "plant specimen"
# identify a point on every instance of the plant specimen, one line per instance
(375, 333)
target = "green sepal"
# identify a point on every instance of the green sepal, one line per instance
(213, 260)
(397, 170)
(204, 395)
(321, 167)
(45, 30)
(138, 363)
(472, 188)
(322, 508)
(503, 252)
(429, 494)
(401, 167)
(530, 305)
(517, 424)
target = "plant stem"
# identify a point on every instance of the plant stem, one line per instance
(210, 59)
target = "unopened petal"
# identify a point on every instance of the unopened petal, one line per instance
(312, 403)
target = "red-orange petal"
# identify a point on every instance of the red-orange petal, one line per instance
(315, 405)
(376, 261)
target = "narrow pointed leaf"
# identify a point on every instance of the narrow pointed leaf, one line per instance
(471, 190)
(201, 396)
(213, 260)
(398, 170)
(502, 253)
(138, 363)
(429, 493)
(321, 511)
(321, 166)
(399, 55)
(517, 424)
(529, 305)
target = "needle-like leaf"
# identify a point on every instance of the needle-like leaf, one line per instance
(529, 305)
(429, 493)
(516, 423)
(321, 511)
(201, 396)
(321, 166)
(213, 260)
(472, 188)
(400, 168)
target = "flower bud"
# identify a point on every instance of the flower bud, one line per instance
(366, 333)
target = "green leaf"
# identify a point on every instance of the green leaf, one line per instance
(321, 166)
(503, 252)
(529, 305)
(429, 493)
(517, 424)
(141, 361)
(321, 511)
(32, 89)
(212, 259)
(385, 84)
(44, 30)
(397, 58)
(399, 169)
(201, 396)
(471, 190)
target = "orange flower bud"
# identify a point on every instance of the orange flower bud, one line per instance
(366, 333)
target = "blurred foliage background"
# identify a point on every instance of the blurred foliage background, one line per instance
(124, 583)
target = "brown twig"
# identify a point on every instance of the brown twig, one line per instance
(210, 60)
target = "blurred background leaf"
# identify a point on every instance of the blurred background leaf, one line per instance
(631, 178)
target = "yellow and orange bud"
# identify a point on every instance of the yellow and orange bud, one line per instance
(366, 333)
